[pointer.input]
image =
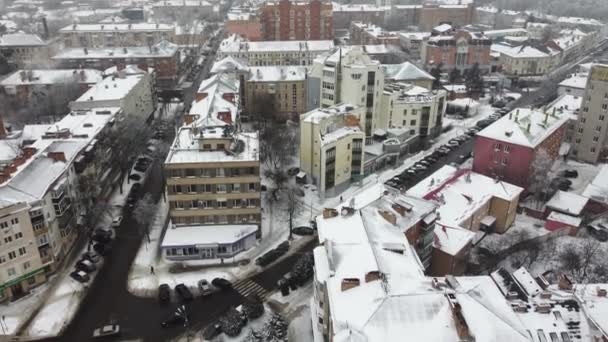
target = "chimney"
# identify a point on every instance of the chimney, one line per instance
(517, 116)
(57, 156)
(189, 118)
(329, 213)
(529, 126)
(349, 283)
(371, 276)
(390, 217)
(83, 76)
(86, 51)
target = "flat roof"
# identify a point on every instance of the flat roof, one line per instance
(205, 235)
(235, 44)
(185, 148)
(21, 39)
(162, 49)
(567, 202)
(119, 27)
(52, 76)
(111, 88)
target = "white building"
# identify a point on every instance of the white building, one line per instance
(116, 35)
(526, 60)
(266, 53)
(574, 85)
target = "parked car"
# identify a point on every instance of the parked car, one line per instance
(184, 292)
(135, 177)
(598, 231)
(303, 231)
(212, 331)
(221, 284)
(164, 293)
(85, 266)
(293, 171)
(80, 276)
(499, 104)
(102, 249)
(204, 287)
(91, 256)
(117, 221)
(102, 235)
(107, 330)
(570, 173)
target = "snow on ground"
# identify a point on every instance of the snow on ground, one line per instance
(524, 228)
(586, 174)
(295, 307)
(15, 313)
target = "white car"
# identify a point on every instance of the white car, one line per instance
(107, 330)
(117, 221)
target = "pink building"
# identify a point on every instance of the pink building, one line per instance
(506, 149)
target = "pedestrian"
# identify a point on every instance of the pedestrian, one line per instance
(151, 269)
(340, 199)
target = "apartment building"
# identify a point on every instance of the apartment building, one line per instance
(115, 35)
(21, 266)
(507, 148)
(436, 13)
(526, 59)
(460, 50)
(411, 108)
(175, 10)
(213, 189)
(345, 14)
(590, 138)
(244, 24)
(267, 53)
(22, 84)
(285, 84)
(24, 50)
(369, 34)
(289, 20)
(331, 146)
(163, 57)
(349, 75)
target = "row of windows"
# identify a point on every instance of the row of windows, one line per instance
(26, 265)
(9, 239)
(213, 188)
(12, 221)
(215, 172)
(499, 146)
(216, 219)
(13, 254)
(216, 204)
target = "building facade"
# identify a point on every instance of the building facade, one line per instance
(457, 15)
(171, 11)
(590, 137)
(369, 34)
(246, 25)
(460, 50)
(331, 146)
(526, 60)
(506, 149)
(115, 35)
(24, 50)
(287, 20)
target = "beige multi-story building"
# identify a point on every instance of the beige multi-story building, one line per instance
(21, 266)
(412, 108)
(286, 85)
(265, 53)
(181, 10)
(116, 35)
(526, 59)
(591, 130)
(349, 75)
(331, 146)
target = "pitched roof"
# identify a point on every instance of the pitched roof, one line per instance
(405, 71)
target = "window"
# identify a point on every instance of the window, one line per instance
(206, 146)
(221, 188)
(26, 265)
(601, 117)
(222, 204)
(3, 224)
(251, 202)
(598, 128)
(236, 187)
(15, 221)
(580, 130)
(205, 172)
(8, 239)
(18, 235)
(596, 138)
(12, 255)
(11, 272)
(177, 189)
(31, 280)
(505, 161)
(507, 149)
(2, 259)
(219, 172)
(22, 251)
(412, 122)
(251, 187)
(593, 150)
(497, 147)
(220, 146)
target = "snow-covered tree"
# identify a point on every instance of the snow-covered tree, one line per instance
(303, 269)
(253, 307)
(542, 174)
(253, 336)
(144, 213)
(275, 329)
(231, 323)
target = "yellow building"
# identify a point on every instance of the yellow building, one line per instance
(331, 146)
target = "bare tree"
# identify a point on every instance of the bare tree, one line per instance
(580, 261)
(293, 205)
(262, 108)
(277, 145)
(542, 174)
(144, 213)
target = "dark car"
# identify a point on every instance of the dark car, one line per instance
(184, 292)
(303, 231)
(164, 293)
(212, 331)
(293, 171)
(570, 173)
(221, 283)
(91, 256)
(499, 104)
(102, 235)
(135, 177)
(85, 266)
(102, 249)
(598, 232)
(80, 276)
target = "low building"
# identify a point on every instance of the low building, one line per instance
(267, 53)
(412, 108)
(574, 85)
(470, 200)
(21, 84)
(175, 10)
(115, 35)
(24, 50)
(525, 59)
(412, 42)
(370, 34)
(506, 149)
(331, 146)
(460, 50)
(407, 72)
(133, 94)
(163, 57)
(285, 84)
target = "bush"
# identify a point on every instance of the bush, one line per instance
(254, 336)
(231, 323)
(275, 329)
(253, 307)
(303, 269)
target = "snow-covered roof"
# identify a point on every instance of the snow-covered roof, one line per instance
(338, 134)
(405, 71)
(505, 32)
(52, 76)
(415, 35)
(567, 104)
(452, 240)
(577, 81)
(337, 7)
(129, 69)
(525, 127)
(180, 3)
(111, 88)
(235, 44)
(442, 28)
(598, 189)
(9, 149)
(21, 39)
(186, 149)
(319, 114)
(461, 192)
(117, 27)
(277, 73)
(564, 218)
(523, 51)
(162, 49)
(206, 235)
(215, 87)
(456, 88)
(229, 64)
(84, 125)
(567, 202)
(527, 282)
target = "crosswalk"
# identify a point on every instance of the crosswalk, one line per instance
(247, 287)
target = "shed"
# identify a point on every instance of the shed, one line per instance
(556, 221)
